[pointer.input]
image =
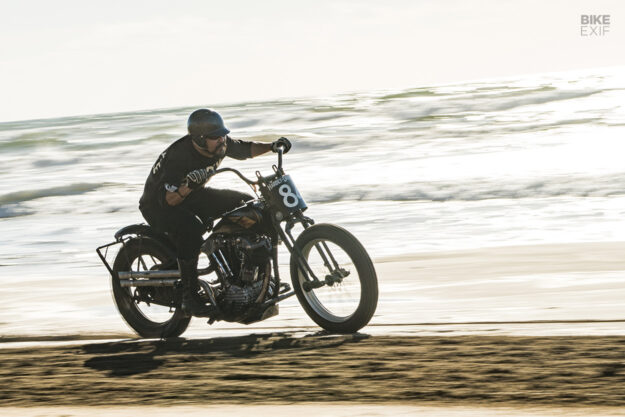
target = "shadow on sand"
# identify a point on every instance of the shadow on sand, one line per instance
(131, 357)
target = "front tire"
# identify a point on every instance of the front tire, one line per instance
(345, 306)
(151, 321)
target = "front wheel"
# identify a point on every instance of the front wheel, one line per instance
(349, 295)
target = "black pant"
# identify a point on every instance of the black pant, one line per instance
(186, 223)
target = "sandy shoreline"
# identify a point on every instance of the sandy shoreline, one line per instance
(510, 260)
(309, 410)
(515, 284)
(280, 368)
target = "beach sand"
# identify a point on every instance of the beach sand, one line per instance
(508, 372)
(515, 372)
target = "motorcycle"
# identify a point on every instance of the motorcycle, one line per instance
(331, 273)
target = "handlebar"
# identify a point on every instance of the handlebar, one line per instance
(243, 177)
(280, 151)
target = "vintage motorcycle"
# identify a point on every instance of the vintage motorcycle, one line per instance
(331, 272)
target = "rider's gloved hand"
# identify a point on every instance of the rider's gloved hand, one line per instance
(282, 142)
(197, 178)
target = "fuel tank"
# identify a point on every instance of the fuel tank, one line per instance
(242, 219)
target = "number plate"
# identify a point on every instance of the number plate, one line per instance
(285, 193)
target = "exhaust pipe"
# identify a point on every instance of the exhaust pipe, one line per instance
(166, 278)
(155, 278)
(174, 273)
(147, 282)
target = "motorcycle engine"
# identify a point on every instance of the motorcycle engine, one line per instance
(246, 261)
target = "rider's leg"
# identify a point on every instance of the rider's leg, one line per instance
(186, 231)
(188, 239)
(192, 304)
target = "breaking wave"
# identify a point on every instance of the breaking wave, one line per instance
(476, 190)
(65, 190)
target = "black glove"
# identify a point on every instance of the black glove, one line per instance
(284, 143)
(197, 178)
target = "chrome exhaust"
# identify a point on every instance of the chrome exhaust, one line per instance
(166, 278)
(147, 282)
(155, 278)
(174, 273)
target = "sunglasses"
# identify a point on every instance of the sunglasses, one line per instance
(217, 138)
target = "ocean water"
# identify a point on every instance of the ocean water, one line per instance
(522, 160)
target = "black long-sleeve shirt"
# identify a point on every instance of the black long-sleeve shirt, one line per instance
(180, 158)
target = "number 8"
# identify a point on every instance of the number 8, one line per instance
(286, 192)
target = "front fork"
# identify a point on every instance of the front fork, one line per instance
(336, 273)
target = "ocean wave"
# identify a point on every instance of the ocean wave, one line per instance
(31, 140)
(541, 98)
(418, 92)
(27, 195)
(45, 163)
(13, 210)
(476, 190)
(493, 128)
(463, 105)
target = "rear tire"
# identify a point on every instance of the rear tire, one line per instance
(145, 251)
(327, 306)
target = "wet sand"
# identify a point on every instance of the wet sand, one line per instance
(280, 368)
(558, 282)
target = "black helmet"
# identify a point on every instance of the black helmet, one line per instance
(205, 124)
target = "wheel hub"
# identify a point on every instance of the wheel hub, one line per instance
(336, 277)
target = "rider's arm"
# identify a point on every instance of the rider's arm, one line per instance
(259, 148)
(242, 149)
(173, 198)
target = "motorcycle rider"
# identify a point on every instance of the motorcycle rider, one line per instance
(175, 200)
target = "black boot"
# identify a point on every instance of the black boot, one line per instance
(192, 304)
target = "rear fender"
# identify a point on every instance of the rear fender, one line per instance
(144, 230)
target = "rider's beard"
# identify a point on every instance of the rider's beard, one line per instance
(221, 151)
(218, 152)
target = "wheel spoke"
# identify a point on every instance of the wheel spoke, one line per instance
(145, 268)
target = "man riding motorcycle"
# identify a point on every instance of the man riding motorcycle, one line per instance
(176, 202)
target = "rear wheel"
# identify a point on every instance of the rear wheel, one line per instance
(139, 306)
(347, 300)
